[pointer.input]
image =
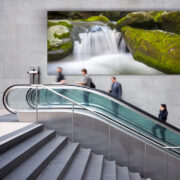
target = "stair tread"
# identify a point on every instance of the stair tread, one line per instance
(9, 137)
(134, 176)
(56, 167)
(94, 167)
(10, 155)
(122, 173)
(109, 170)
(78, 165)
(25, 170)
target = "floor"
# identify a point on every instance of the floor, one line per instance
(9, 123)
(10, 127)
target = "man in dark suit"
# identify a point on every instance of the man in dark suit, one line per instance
(116, 88)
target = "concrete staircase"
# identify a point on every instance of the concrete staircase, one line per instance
(38, 153)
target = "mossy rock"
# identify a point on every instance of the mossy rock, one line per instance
(155, 48)
(97, 18)
(111, 25)
(60, 52)
(143, 20)
(56, 36)
(59, 42)
(169, 21)
(65, 23)
(62, 36)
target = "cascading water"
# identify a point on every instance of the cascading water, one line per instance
(99, 41)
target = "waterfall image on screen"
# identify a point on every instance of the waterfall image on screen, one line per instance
(118, 42)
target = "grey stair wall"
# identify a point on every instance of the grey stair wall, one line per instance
(45, 155)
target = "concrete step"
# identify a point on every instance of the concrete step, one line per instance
(134, 176)
(15, 156)
(12, 139)
(57, 167)
(32, 167)
(109, 170)
(94, 167)
(122, 173)
(78, 165)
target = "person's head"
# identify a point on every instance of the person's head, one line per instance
(59, 69)
(113, 79)
(163, 107)
(84, 71)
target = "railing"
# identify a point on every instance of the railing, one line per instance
(37, 87)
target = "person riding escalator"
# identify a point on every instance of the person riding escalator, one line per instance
(163, 113)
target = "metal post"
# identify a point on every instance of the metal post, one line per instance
(36, 104)
(72, 122)
(145, 160)
(109, 141)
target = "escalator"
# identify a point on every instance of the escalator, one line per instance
(26, 97)
(111, 127)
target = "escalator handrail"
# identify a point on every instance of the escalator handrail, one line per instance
(132, 106)
(142, 112)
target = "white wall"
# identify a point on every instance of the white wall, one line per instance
(23, 43)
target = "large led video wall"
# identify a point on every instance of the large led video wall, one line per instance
(119, 43)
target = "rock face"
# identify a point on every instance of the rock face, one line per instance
(143, 20)
(155, 48)
(59, 39)
(169, 21)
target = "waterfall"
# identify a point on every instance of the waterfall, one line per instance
(122, 44)
(99, 40)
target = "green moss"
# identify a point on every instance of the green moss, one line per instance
(98, 18)
(67, 46)
(156, 16)
(78, 20)
(158, 49)
(48, 45)
(137, 19)
(63, 23)
(64, 35)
